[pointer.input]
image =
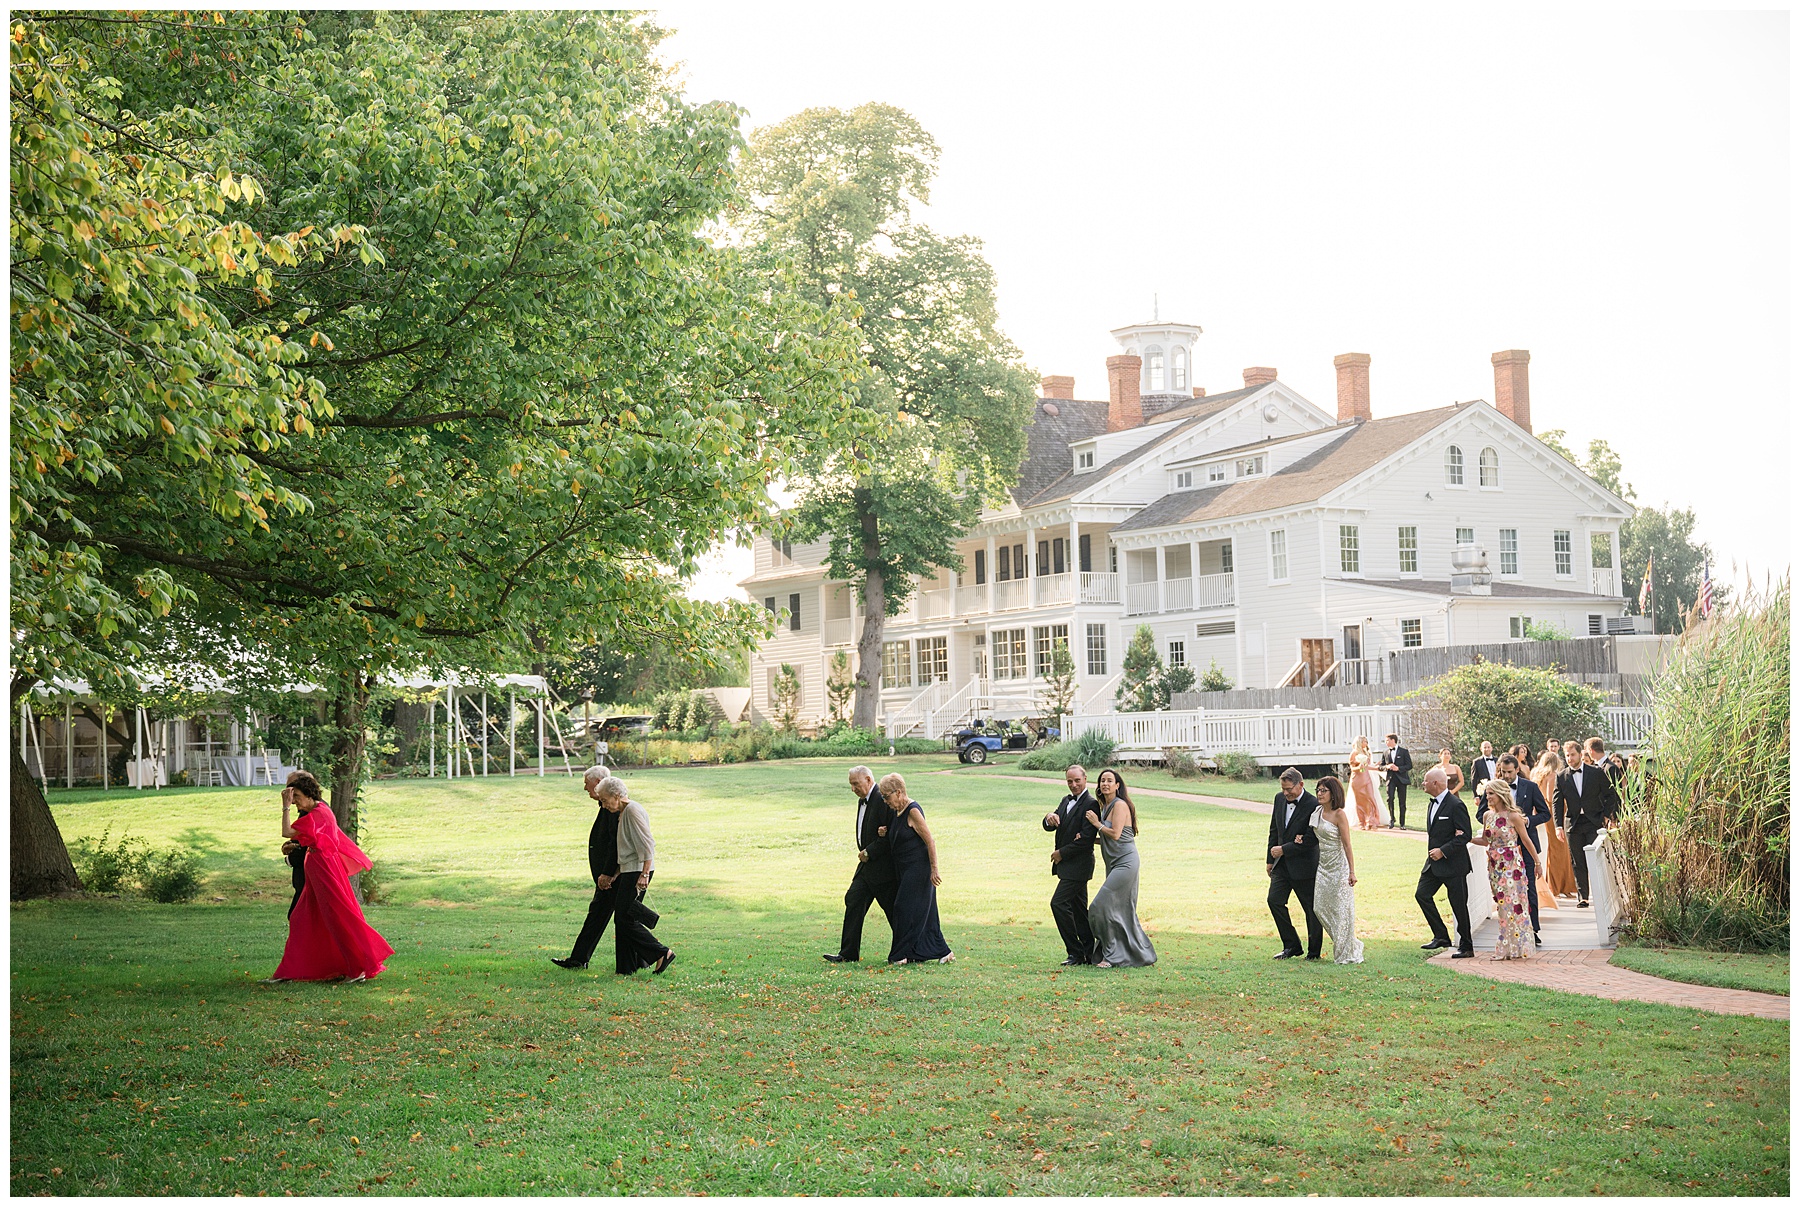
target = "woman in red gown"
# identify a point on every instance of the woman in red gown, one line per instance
(328, 939)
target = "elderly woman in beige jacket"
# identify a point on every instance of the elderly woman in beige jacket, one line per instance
(633, 943)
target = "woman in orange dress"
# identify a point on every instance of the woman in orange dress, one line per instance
(1362, 786)
(1559, 868)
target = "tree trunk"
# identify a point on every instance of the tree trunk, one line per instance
(349, 708)
(40, 861)
(868, 645)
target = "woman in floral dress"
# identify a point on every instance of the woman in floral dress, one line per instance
(1503, 833)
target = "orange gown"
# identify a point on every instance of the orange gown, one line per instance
(1362, 787)
(1558, 863)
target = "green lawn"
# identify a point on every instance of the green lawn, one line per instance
(1765, 972)
(147, 1058)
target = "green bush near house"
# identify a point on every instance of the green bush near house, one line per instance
(1236, 765)
(1502, 704)
(1093, 750)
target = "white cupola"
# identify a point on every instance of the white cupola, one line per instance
(1167, 352)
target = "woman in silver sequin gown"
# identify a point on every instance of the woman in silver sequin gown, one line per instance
(1119, 940)
(1334, 888)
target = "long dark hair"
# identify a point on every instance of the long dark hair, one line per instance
(1124, 794)
(1335, 787)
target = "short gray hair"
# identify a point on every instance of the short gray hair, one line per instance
(594, 774)
(612, 786)
(863, 771)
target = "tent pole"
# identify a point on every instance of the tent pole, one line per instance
(542, 757)
(512, 751)
(105, 771)
(431, 729)
(69, 741)
(450, 731)
(486, 724)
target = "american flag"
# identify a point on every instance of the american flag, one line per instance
(1644, 591)
(1706, 594)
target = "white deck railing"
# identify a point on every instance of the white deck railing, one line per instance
(1181, 594)
(1012, 595)
(1605, 580)
(1099, 588)
(1629, 727)
(971, 601)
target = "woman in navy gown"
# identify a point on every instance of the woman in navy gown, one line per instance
(917, 935)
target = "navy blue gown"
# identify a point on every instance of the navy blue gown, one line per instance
(917, 935)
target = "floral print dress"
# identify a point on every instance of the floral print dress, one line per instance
(1506, 876)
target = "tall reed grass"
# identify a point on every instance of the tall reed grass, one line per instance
(1705, 827)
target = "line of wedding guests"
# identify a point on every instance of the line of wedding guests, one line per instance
(1529, 843)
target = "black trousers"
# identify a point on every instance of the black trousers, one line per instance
(1531, 887)
(1578, 841)
(1281, 886)
(634, 947)
(1069, 906)
(1397, 803)
(1457, 886)
(600, 912)
(861, 894)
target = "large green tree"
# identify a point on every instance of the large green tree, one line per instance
(543, 393)
(944, 403)
(1660, 541)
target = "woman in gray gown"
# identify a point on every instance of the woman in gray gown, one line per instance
(1119, 940)
(1334, 888)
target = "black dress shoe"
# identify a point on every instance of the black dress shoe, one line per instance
(571, 965)
(1072, 962)
(1313, 957)
(1287, 955)
(1462, 955)
(835, 958)
(1538, 939)
(1582, 904)
(1434, 945)
(663, 964)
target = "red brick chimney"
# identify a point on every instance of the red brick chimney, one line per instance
(1353, 386)
(1512, 386)
(1258, 376)
(1057, 387)
(1199, 391)
(1124, 409)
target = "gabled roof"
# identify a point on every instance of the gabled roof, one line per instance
(1358, 447)
(1049, 475)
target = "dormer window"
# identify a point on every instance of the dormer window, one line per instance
(783, 551)
(1184, 480)
(1153, 364)
(1178, 370)
(1249, 467)
(1084, 459)
(1215, 473)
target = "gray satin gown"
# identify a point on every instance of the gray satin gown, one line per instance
(1118, 938)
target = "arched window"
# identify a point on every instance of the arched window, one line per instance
(1490, 467)
(1453, 466)
(1178, 377)
(1153, 361)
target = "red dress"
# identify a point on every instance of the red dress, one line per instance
(327, 936)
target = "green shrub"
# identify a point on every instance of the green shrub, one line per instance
(110, 867)
(1235, 764)
(918, 746)
(1092, 750)
(1704, 836)
(172, 876)
(1502, 704)
(1052, 756)
(1182, 764)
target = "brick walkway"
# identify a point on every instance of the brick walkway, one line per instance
(1561, 964)
(1587, 972)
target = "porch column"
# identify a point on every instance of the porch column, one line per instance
(1194, 571)
(1031, 568)
(990, 574)
(1612, 541)
(1162, 579)
(1074, 557)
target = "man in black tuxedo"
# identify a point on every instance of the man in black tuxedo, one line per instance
(1447, 830)
(1483, 769)
(1293, 864)
(1536, 809)
(1586, 799)
(875, 879)
(1399, 779)
(1072, 863)
(603, 865)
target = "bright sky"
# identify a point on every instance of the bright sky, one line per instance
(1608, 189)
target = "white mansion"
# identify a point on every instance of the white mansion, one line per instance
(1249, 529)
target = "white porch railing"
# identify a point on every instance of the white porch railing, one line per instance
(840, 630)
(1606, 580)
(1178, 595)
(1215, 590)
(933, 605)
(1630, 727)
(971, 601)
(1142, 599)
(1011, 595)
(1055, 589)
(1099, 588)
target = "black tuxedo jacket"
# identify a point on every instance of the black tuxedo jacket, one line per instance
(1299, 845)
(1532, 804)
(1482, 769)
(1075, 837)
(878, 869)
(1401, 758)
(1596, 802)
(1449, 832)
(603, 843)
